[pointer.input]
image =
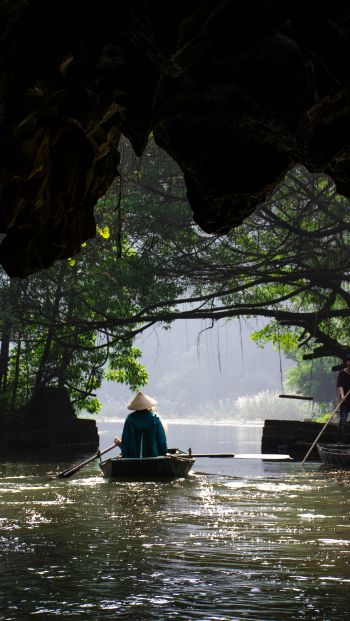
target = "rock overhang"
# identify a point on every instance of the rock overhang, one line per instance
(236, 93)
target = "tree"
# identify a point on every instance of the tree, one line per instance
(48, 324)
(151, 264)
(310, 377)
(288, 262)
(40, 345)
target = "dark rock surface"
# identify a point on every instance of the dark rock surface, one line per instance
(236, 93)
(47, 425)
(296, 437)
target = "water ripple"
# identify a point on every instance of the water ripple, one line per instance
(271, 546)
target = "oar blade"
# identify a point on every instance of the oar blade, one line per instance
(73, 469)
(263, 456)
(67, 473)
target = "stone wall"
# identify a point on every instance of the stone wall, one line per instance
(47, 424)
(296, 437)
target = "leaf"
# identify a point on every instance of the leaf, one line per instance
(104, 232)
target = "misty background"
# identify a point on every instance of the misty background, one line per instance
(217, 374)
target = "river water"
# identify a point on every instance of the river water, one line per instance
(238, 540)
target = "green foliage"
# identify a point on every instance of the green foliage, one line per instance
(322, 419)
(283, 339)
(125, 368)
(74, 324)
(92, 405)
(308, 377)
(103, 231)
(312, 378)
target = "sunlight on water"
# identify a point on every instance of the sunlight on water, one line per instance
(236, 541)
(87, 482)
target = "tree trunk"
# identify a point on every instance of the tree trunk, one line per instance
(39, 379)
(16, 377)
(4, 359)
(63, 367)
(13, 290)
(67, 351)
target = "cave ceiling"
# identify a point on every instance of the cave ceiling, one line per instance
(236, 92)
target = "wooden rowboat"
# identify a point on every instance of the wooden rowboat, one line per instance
(147, 468)
(175, 465)
(337, 455)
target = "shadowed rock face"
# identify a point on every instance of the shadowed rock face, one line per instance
(236, 93)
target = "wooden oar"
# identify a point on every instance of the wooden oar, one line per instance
(73, 469)
(323, 428)
(267, 456)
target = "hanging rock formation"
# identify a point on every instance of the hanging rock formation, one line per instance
(236, 93)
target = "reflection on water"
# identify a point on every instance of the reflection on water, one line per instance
(242, 540)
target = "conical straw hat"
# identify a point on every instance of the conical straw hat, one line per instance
(141, 402)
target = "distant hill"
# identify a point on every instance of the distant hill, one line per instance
(195, 372)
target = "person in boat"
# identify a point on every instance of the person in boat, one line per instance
(343, 386)
(143, 433)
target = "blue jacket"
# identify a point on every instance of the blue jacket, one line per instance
(143, 428)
